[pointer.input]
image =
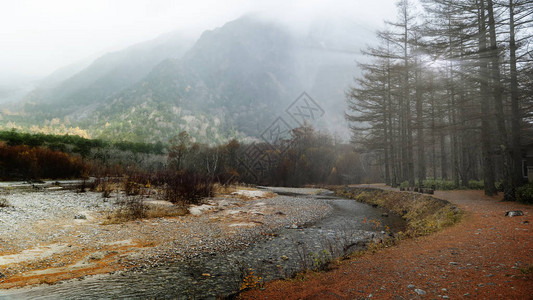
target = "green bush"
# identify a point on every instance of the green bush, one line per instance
(500, 185)
(524, 193)
(446, 185)
(476, 184)
(439, 184)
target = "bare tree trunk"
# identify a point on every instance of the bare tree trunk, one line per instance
(443, 156)
(453, 125)
(406, 96)
(394, 180)
(516, 175)
(497, 96)
(465, 133)
(433, 131)
(454, 149)
(421, 156)
(486, 132)
(386, 143)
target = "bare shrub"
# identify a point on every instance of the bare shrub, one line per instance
(184, 187)
(131, 188)
(97, 182)
(177, 187)
(81, 188)
(4, 203)
(106, 192)
(134, 207)
(130, 208)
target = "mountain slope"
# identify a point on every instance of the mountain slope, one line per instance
(234, 81)
(106, 76)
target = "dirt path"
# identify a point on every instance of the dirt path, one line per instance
(483, 257)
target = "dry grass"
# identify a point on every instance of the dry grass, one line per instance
(423, 214)
(158, 211)
(223, 190)
(266, 195)
(131, 211)
(228, 190)
(134, 208)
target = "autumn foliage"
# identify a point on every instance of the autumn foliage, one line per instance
(25, 162)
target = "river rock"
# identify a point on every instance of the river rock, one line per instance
(293, 226)
(514, 213)
(420, 292)
(197, 210)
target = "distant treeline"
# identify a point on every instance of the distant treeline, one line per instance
(74, 143)
(27, 156)
(305, 157)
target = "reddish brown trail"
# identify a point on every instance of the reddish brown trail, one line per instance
(486, 256)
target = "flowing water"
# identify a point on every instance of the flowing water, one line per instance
(345, 229)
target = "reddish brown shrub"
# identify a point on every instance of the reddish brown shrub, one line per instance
(24, 162)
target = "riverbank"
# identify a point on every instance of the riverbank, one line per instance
(486, 255)
(314, 228)
(50, 235)
(423, 214)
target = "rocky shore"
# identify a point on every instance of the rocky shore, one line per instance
(224, 245)
(49, 235)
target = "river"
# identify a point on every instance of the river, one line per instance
(346, 229)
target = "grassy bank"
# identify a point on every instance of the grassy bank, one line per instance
(423, 214)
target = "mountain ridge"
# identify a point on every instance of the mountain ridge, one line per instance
(230, 83)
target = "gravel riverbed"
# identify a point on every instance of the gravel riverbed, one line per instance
(204, 255)
(54, 229)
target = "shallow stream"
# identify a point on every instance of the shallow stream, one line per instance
(346, 229)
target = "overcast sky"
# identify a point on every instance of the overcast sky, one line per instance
(39, 36)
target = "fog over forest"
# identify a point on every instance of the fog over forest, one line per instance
(267, 149)
(144, 71)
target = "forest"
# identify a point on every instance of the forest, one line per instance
(307, 157)
(443, 101)
(447, 92)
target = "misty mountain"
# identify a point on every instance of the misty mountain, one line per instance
(14, 87)
(234, 81)
(58, 76)
(105, 76)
